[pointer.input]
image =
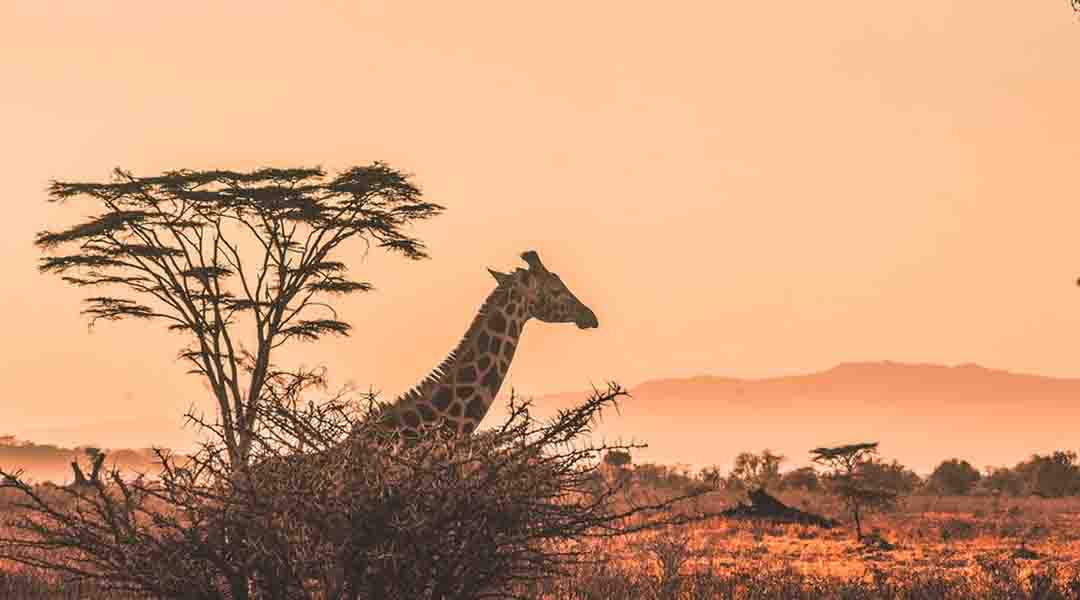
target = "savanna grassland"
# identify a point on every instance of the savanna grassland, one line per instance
(929, 546)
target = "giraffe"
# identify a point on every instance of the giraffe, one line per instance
(457, 394)
(461, 389)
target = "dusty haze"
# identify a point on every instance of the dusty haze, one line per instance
(736, 189)
(921, 414)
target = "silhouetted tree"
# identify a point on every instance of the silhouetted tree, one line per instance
(712, 476)
(232, 260)
(1051, 476)
(618, 458)
(664, 477)
(955, 477)
(847, 482)
(1003, 480)
(756, 471)
(892, 476)
(805, 478)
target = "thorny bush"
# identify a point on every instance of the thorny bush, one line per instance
(335, 506)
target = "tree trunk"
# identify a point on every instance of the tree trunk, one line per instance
(80, 479)
(858, 523)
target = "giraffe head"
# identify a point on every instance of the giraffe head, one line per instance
(546, 297)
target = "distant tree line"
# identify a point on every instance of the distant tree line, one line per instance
(1053, 475)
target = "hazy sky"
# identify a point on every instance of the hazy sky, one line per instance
(735, 188)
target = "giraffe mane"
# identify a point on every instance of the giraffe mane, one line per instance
(438, 372)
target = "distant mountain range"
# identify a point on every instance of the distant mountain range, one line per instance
(920, 413)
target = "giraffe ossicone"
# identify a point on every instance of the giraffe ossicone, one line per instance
(459, 392)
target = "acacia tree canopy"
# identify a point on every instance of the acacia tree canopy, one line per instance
(848, 481)
(232, 260)
(754, 471)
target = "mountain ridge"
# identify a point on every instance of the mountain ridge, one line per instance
(857, 365)
(921, 413)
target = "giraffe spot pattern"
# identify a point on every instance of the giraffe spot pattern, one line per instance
(491, 381)
(497, 322)
(442, 398)
(486, 360)
(467, 375)
(392, 420)
(476, 409)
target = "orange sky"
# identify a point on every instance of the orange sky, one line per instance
(735, 188)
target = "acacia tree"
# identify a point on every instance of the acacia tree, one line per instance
(712, 476)
(756, 471)
(237, 262)
(618, 458)
(848, 480)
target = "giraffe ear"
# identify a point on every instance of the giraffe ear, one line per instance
(531, 257)
(501, 278)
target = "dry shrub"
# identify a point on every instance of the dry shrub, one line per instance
(954, 529)
(370, 515)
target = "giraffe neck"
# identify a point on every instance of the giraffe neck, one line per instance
(463, 387)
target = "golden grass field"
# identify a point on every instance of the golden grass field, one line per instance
(945, 547)
(947, 532)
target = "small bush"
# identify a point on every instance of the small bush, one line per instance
(954, 477)
(954, 529)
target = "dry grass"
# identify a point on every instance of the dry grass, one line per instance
(945, 547)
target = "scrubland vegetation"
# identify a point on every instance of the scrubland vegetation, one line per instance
(302, 494)
(983, 544)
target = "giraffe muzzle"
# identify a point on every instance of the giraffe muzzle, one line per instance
(587, 320)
